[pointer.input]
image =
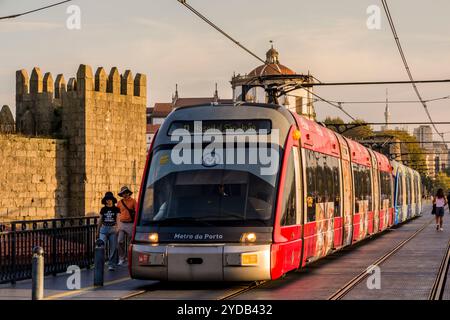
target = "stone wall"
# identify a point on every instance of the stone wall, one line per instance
(100, 122)
(104, 119)
(33, 178)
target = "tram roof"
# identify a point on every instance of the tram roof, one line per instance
(279, 117)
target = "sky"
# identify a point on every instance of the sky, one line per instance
(164, 40)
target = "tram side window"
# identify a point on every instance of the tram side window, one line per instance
(311, 185)
(322, 182)
(363, 187)
(289, 216)
(408, 189)
(336, 188)
(386, 187)
(400, 189)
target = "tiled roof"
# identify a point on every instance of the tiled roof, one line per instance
(184, 102)
(151, 128)
(161, 109)
(270, 70)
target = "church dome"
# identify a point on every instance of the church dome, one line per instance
(271, 67)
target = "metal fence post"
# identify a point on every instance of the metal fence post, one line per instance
(54, 252)
(37, 273)
(13, 252)
(99, 262)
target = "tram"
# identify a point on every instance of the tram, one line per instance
(252, 191)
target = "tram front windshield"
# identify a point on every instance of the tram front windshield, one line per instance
(205, 194)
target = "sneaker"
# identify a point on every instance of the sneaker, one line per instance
(441, 229)
(111, 268)
(437, 227)
(121, 262)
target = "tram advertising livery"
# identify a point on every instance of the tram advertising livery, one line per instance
(252, 191)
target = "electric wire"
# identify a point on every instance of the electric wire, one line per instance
(405, 63)
(32, 11)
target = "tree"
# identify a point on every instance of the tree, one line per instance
(359, 132)
(442, 181)
(412, 154)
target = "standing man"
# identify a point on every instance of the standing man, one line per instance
(127, 206)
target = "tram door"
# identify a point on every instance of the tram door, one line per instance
(290, 245)
(346, 193)
(375, 227)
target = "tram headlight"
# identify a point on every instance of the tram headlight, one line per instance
(248, 237)
(249, 259)
(153, 237)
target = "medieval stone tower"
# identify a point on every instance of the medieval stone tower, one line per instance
(101, 118)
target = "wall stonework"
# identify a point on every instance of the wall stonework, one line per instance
(101, 123)
(33, 178)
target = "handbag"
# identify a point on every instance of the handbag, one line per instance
(433, 211)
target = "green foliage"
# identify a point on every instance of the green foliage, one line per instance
(442, 181)
(357, 133)
(411, 152)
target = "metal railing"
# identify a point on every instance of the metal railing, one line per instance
(66, 241)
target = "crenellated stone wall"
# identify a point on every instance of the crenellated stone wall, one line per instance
(100, 123)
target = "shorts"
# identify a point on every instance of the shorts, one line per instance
(125, 229)
(439, 211)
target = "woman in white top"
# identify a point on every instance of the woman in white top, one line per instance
(440, 203)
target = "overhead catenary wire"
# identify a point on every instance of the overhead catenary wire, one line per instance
(210, 23)
(405, 63)
(390, 101)
(11, 16)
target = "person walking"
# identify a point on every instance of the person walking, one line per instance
(440, 201)
(107, 227)
(127, 206)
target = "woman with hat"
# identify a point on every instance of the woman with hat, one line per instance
(108, 227)
(127, 206)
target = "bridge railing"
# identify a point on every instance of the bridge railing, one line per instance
(66, 242)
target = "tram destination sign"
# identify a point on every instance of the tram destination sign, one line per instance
(247, 126)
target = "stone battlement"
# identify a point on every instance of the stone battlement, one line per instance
(101, 119)
(84, 82)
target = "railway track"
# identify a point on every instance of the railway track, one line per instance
(239, 292)
(437, 291)
(342, 292)
(228, 296)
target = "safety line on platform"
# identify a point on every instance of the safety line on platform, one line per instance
(90, 288)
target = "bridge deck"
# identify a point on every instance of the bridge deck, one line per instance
(407, 274)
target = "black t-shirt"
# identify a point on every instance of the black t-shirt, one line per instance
(109, 215)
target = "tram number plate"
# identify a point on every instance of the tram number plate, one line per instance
(143, 259)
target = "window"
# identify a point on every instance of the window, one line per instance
(400, 189)
(386, 188)
(299, 105)
(408, 188)
(323, 184)
(225, 194)
(289, 216)
(363, 188)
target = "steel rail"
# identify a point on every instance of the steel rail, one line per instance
(437, 291)
(252, 286)
(342, 292)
